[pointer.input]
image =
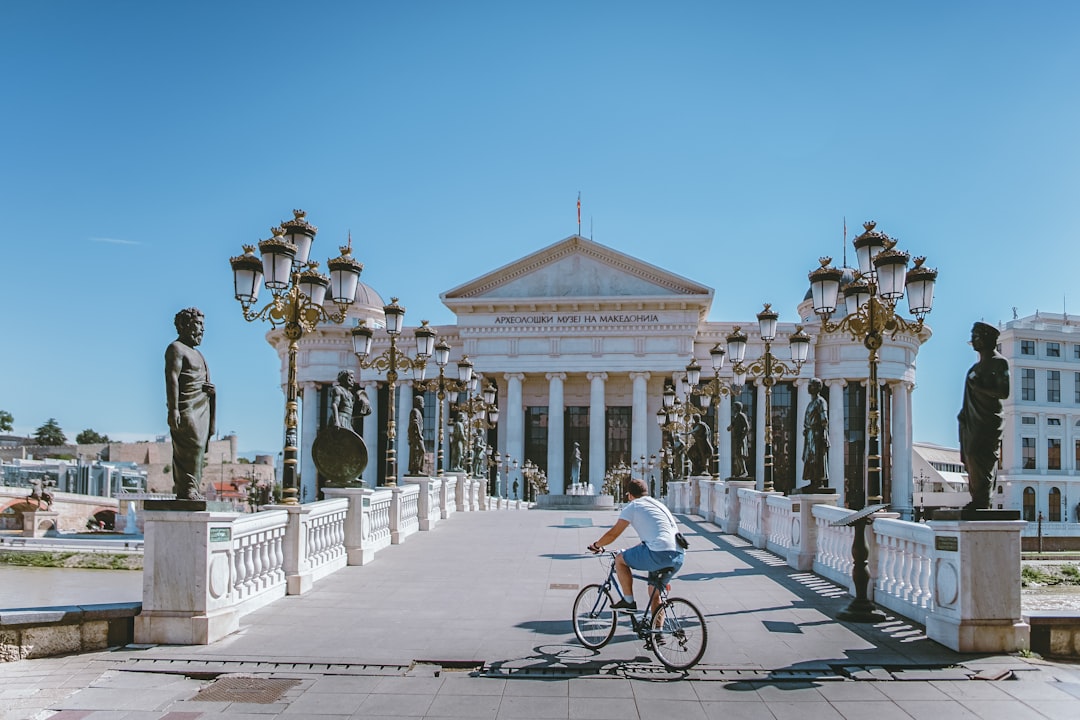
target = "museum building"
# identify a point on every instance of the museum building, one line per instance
(580, 341)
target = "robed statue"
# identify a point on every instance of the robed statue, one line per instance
(417, 450)
(457, 445)
(701, 450)
(815, 441)
(981, 418)
(740, 440)
(190, 398)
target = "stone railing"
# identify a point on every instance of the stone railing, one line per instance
(905, 552)
(961, 579)
(209, 568)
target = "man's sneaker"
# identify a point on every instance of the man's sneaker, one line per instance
(623, 605)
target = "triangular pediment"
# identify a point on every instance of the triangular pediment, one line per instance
(577, 269)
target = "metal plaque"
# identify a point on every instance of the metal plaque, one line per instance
(220, 534)
(948, 543)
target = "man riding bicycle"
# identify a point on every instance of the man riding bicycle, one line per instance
(656, 527)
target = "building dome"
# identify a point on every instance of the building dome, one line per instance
(368, 305)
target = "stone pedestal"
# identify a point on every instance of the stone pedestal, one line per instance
(187, 598)
(804, 529)
(428, 504)
(976, 582)
(357, 520)
(730, 524)
(39, 523)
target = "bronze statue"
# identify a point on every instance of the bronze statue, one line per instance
(981, 418)
(345, 397)
(740, 440)
(457, 444)
(191, 402)
(701, 450)
(575, 465)
(416, 437)
(39, 493)
(816, 440)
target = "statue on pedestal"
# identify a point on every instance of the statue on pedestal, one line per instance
(740, 440)
(190, 397)
(816, 441)
(981, 418)
(416, 437)
(457, 444)
(701, 450)
(575, 465)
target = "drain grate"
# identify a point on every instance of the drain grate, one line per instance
(231, 688)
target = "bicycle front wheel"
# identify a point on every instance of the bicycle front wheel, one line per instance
(594, 620)
(679, 635)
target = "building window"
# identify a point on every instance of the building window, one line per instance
(1076, 352)
(1053, 386)
(618, 435)
(1027, 384)
(1076, 387)
(1053, 453)
(1053, 421)
(536, 440)
(854, 444)
(1027, 347)
(1055, 504)
(1053, 349)
(1029, 504)
(1027, 446)
(1076, 459)
(1027, 420)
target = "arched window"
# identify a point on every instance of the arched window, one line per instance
(1029, 504)
(1055, 504)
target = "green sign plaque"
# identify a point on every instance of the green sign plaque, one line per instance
(948, 543)
(220, 534)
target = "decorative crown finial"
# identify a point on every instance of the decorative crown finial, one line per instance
(824, 260)
(250, 250)
(299, 214)
(869, 225)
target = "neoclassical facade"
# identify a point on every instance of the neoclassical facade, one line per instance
(580, 341)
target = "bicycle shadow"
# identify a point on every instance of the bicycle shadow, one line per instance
(560, 661)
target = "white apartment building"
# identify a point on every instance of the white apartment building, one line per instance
(580, 341)
(1040, 460)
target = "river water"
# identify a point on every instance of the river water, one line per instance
(23, 587)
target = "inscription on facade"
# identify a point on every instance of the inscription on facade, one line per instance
(947, 543)
(578, 319)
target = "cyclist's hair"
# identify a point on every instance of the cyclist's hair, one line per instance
(635, 487)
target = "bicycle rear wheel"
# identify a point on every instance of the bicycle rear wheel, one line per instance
(679, 634)
(594, 620)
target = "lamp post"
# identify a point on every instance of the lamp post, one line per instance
(644, 465)
(503, 464)
(298, 292)
(715, 388)
(870, 301)
(675, 417)
(440, 385)
(769, 369)
(481, 414)
(391, 361)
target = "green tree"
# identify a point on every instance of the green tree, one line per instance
(6, 421)
(90, 437)
(50, 433)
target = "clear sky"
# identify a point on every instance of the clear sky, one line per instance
(144, 142)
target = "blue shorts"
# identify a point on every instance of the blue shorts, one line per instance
(640, 557)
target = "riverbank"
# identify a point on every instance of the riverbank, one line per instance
(83, 560)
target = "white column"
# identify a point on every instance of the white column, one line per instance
(639, 431)
(723, 421)
(597, 430)
(802, 400)
(902, 482)
(759, 436)
(401, 423)
(515, 428)
(371, 436)
(309, 428)
(556, 471)
(836, 436)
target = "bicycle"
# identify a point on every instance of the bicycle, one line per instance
(676, 632)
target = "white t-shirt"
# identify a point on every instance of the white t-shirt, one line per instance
(652, 522)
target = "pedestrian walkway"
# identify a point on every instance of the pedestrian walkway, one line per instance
(472, 620)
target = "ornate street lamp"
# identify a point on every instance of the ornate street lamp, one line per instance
(715, 388)
(440, 386)
(391, 361)
(871, 301)
(768, 368)
(298, 292)
(481, 414)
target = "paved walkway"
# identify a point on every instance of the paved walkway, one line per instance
(471, 620)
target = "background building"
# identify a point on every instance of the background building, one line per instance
(580, 341)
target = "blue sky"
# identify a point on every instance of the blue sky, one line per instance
(726, 142)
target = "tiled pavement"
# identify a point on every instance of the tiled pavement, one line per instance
(471, 620)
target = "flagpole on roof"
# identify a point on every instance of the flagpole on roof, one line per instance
(579, 213)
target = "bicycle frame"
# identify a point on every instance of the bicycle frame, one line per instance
(658, 593)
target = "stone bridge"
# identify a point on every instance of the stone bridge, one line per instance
(75, 510)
